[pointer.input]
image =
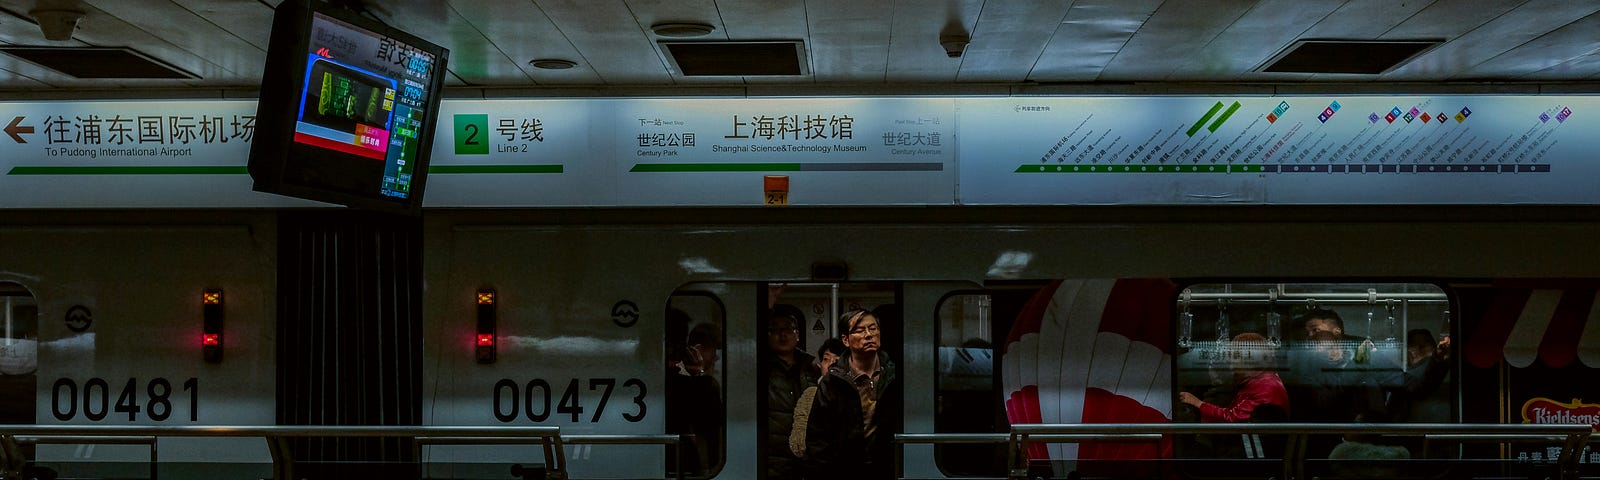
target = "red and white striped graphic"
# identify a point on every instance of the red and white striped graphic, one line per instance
(1092, 351)
(1551, 326)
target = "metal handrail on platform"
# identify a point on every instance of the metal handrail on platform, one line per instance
(277, 437)
(669, 441)
(1572, 437)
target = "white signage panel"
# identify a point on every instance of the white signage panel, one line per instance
(1278, 150)
(129, 154)
(832, 151)
(520, 153)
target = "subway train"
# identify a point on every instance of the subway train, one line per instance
(992, 316)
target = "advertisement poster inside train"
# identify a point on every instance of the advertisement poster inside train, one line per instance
(832, 151)
(1545, 394)
(1278, 150)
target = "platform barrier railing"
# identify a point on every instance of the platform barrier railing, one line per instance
(670, 442)
(1572, 438)
(549, 439)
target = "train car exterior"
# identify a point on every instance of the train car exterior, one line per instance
(623, 292)
(582, 299)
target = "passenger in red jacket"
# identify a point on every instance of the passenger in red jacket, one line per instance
(1256, 385)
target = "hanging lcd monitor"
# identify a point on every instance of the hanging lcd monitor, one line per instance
(347, 109)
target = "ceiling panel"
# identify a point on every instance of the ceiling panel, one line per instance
(1263, 31)
(16, 73)
(1364, 19)
(1455, 58)
(859, 44)
(1177, 30)
(1558, 47)
(1587, 66)
(521, 33)
(610, 39)
(849, 39)
(745, 20)
(652, 12)
(233, 58)
(100, 28)
(1090, 36)
(915, 54)
(248, 21)
(1008, 40)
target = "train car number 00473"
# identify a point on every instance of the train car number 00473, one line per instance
(96, 399)
(532, 399)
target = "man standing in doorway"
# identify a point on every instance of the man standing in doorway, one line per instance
(789, 372)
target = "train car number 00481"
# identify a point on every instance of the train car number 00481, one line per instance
(96, 399)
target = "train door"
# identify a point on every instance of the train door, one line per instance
(19, 358)
(697, 377)
(19, 354)
(969, 332)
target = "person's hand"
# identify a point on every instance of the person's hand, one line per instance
(1189, 399)
(1442, 351)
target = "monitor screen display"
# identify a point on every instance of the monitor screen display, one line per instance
(347, 109)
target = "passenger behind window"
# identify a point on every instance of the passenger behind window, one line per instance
(1415, 395)
(693, 396)
(1257, 384)
(1334, 388)
(789, 372)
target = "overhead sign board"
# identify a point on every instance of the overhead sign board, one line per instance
(1301, 150)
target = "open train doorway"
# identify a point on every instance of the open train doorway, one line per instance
(803, 330)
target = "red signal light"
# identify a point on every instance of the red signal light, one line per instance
(211, 313)
(485, 339)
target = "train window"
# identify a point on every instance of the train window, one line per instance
(972, 325)
(695, 383)
(1309, 352)
(19, 357)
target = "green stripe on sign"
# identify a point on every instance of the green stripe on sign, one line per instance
(1138, 169)
(131, 170)
(453, 169)
(715, 167)
(1198, 125)
(1224, 117)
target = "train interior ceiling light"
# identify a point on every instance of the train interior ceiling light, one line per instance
(1360, 57)
(737, 59)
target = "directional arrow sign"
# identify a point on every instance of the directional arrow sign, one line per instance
(13, 129)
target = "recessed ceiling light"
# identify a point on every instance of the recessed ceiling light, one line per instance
(682, 30)
(552, 63)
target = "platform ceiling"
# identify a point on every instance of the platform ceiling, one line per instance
(867, 45)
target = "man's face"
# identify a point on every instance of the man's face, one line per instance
(782, 337)
(863, 338)
(1321, 325)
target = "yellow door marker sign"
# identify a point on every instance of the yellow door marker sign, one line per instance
(777, 189)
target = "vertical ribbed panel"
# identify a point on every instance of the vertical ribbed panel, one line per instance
(349, 337)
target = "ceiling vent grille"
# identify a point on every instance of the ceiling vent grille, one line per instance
(737, 59)
(98, 62)
(1361, 57)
